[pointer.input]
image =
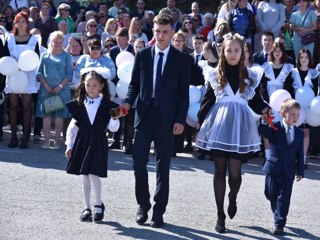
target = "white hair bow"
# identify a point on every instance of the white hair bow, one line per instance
(103, 71)
(229, 35)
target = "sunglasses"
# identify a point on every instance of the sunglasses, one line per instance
(120, 12)
(196, 20)
(66, 10)
(95, 48)
(108, 45)
(188, 22)
(92, 25)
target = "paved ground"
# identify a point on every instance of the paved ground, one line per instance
(38, 200)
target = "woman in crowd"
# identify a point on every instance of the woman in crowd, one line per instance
(135, 30)
(91, 30)
(225, 10)
(302, 21)
(248, 55)
(195, 10)
(316, 54)
(197, 22)
(45, 23)
(19, 41)
(62, 27)
(54, 75)
(242, 21)
(8, 11)
(271, 17)
(109, 30)
(189, 29)
(108, 44)
(95, 59)
(305, 76)
(64, 15)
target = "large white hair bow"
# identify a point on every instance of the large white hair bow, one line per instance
(103, 71)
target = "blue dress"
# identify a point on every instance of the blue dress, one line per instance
(54, 69)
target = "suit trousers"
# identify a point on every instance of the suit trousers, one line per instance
(151, 129)
(278, 191)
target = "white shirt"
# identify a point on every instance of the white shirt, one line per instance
(155, 64)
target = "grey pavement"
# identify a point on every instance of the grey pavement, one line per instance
(38, 200)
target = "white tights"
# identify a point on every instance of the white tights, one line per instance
(87, 180)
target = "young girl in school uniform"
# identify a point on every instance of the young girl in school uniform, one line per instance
(304, 76)
(87, 143)
(229, 130)
(276, 76)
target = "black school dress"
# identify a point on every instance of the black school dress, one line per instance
(90, 149)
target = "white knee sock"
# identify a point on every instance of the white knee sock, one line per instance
(96, 184)
(86, 187)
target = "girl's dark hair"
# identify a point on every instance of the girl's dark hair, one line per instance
(248, 45)
(208, 45)
(283, 58)
(307, 51)
(243, 73)
(81, 91)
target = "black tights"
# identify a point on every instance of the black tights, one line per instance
(219, 181)
(13, 111)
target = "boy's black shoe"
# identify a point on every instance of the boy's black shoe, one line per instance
(278, 230)
(141, 216)
(188, 148)
(157, 220)
(98, 216)
(86, 215)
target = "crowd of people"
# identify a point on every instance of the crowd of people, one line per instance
(239, 55)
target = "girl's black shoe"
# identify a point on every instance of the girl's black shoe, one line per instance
(86, 215)
(220, 226)
(98, 216)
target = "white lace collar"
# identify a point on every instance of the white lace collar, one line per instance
(285, 71)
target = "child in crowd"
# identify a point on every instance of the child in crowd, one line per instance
(87, 143)
(305, 76)
(285, 160)
(229, 129)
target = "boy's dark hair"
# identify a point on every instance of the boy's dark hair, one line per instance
(199, 37)
(288, 104)
(307, 51)
(268, 33)
(81, 91)
(283, 58)
(122, 32)
(163, 19)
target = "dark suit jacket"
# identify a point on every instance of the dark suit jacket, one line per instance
(114, 51)
(258, 58)
(173, 90)
(284, 159)
(196, 76)
(4, 51)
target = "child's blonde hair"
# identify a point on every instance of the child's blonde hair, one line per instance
(289, 104)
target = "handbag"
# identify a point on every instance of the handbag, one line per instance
(53, 103)
(308, 37)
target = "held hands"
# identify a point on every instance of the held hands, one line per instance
(121, 111)
(267, 117)
(298, 178)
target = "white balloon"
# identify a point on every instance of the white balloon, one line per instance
(18, 83)
(193, 112)
(112, 89)
(315, 105)
(194, 94)
(8, 66)
(122, 89)
(277, 97)
(125, 71)
(304, 96)
(311, 118)
(28, 61)
(124, 57)
(277, 116)
(302, 117)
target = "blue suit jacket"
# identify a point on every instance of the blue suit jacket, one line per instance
(173, 90)
(284, 159)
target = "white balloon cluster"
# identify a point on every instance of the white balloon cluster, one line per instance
(195, 96)
(124, 62)
(17, 78)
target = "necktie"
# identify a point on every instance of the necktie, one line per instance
(197, 59)
(266, 57)
(288, 135)
(158, 79)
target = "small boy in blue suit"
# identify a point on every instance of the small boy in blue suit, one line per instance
(285, 161)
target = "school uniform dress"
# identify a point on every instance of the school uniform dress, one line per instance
(90, 148)
(229, 125)
(275, 79)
